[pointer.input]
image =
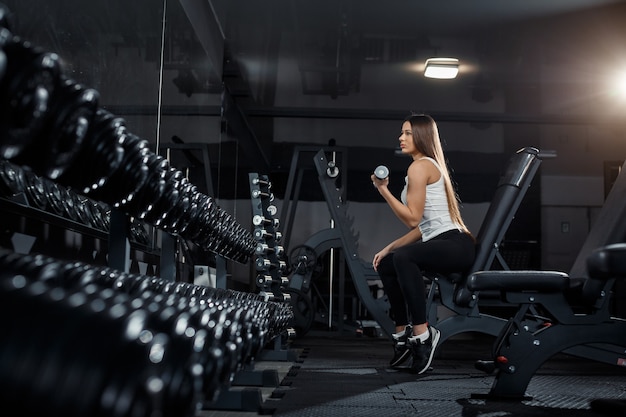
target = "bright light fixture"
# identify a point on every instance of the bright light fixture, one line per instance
(441, 68)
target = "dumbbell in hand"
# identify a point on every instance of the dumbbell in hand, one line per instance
(381, 172)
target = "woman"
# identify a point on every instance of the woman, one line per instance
(437, 240)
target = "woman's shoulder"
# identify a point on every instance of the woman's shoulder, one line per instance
(426, 168)
(423, 163)
(419, 168)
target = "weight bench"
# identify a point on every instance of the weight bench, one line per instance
(450, 290)
(556, 314)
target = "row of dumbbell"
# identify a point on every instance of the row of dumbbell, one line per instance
(54, 126)
(44, 194)
(77, 273)
(84, 341)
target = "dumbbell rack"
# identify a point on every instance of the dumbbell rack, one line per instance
(270, 265)
(269, 255)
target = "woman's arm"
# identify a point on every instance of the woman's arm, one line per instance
(419, 173)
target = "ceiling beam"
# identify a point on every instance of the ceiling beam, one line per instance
(367, 114)
(210, 34)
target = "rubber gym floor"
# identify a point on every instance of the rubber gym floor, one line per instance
(330, 373)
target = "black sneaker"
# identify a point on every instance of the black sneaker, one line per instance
(423, 352)
(401, 351)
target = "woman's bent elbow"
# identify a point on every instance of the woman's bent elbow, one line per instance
(412, 224)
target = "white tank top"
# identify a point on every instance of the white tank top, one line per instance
(436, 218)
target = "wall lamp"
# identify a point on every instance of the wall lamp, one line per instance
(441, 68)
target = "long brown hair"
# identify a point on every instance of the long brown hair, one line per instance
(426, 140)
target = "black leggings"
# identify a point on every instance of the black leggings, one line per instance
(401, 272)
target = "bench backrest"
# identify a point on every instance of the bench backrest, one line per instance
(511, 189)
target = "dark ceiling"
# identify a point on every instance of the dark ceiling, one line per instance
(499, 44)
(340, 49)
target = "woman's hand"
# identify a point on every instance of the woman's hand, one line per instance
(380, 255)
(377, 182)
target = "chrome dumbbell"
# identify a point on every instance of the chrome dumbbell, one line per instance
(381, 172)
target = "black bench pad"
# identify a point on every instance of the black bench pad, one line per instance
(608, 262)
(544, 281)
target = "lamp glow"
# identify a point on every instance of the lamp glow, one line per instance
(621, 84)
(441, 68)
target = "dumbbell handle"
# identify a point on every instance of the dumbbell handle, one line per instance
(381, 172)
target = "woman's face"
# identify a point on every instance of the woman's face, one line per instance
(406, 139)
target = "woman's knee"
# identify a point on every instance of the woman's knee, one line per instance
(402, 256)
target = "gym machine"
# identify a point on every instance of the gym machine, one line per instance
(338, 240)
(304, 258)
(362, 272)
(558, 312)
